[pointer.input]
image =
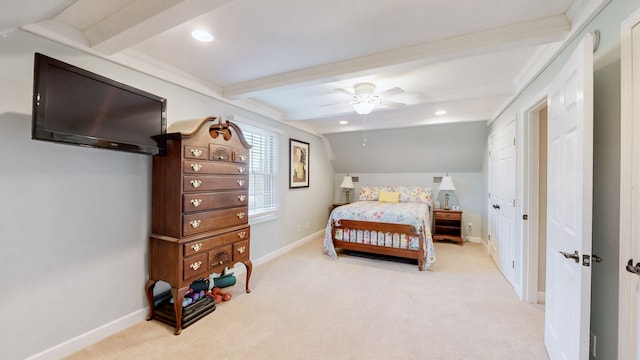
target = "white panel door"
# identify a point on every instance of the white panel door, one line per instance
(570, 178)
(493, 195)
(506, 200)
(502, 193)
(629, 293)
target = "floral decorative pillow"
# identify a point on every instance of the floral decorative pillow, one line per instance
(368, 193)
(407, 194)
(420, 194)
(414, 194)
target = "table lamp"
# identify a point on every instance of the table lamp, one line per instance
(347, 183)
(447, 185)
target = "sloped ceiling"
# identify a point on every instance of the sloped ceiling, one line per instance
(286, 58)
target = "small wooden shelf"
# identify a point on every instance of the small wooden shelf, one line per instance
(447, 225)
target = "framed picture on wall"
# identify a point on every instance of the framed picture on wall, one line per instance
(298, 164)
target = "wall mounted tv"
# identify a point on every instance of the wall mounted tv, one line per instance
(75, 106)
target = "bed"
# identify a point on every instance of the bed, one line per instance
(386, 220)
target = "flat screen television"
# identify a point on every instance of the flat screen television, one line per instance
(76, 106)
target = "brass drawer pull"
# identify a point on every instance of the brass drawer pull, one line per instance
(240, 215)
(240, 182)
(242, 157)
(241, 169)
(196, 167)
(196, 202)
(241, 198)
(196, 247)
(195, 223)
(196, 152)
(196, 183)
(242, 249)
(196, 265)
(242, 234)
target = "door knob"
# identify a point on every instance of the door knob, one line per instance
(575, 256)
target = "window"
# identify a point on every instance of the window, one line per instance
(263, 170)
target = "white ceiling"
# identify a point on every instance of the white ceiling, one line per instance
(285, 58)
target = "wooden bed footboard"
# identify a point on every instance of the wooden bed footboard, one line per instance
(400, 240)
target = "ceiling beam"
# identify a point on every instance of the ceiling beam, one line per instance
(536, 32)
(138, 21)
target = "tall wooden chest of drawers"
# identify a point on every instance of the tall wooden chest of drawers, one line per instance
(199, 215)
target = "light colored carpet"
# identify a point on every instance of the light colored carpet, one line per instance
(304, 305)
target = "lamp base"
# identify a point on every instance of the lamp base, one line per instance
(347, 195)
(446, 201)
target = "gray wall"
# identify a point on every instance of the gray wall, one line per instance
(75, 221)
(456, 147)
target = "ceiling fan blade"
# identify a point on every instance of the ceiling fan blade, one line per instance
(390, 92)
(392, 104)
(346, 92)
(335, 104)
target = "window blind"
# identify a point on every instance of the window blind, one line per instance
(263, 170)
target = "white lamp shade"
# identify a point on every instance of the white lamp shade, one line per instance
(347, 183)
(447, 183)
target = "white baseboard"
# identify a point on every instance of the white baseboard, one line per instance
(93, 336)
(266, 258)
(473, 239)
(541, 297)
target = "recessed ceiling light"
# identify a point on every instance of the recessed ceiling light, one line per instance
(441, 112)
(202, 35)
(343, 122)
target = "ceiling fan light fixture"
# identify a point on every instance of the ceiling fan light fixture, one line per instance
(363, 107)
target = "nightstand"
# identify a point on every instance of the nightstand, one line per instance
(447, 225)
(335, 205)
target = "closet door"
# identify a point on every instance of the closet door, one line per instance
(502, 179)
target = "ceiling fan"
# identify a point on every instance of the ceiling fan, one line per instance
(364, 98)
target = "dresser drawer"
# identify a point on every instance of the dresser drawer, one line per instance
(210, 201)
(194, 152)
(211, 182)
(211, 167)
(214, 220)
(448, 215)
(194, 265)
(219, 152)
(204, 245)
(220, 257)
(241, 251)
(241, 157)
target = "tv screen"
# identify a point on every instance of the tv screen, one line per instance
(76, 106)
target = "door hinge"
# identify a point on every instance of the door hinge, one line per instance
(514, 141)
(513, 264)
(586, 260)
(514, 202)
